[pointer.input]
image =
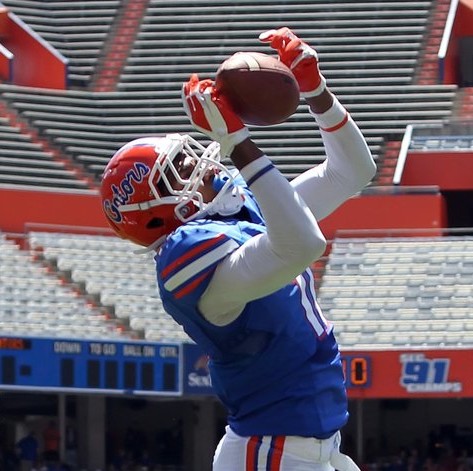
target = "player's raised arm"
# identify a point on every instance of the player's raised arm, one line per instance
(293, 239)
(349, 165)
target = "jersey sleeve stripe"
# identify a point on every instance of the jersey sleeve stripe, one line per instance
(337, 126)
(194, 252)
(191, 286)
(259, 174)
(204, 262)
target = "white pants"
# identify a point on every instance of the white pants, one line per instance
(279, 453)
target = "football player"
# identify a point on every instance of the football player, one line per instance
(233, 255)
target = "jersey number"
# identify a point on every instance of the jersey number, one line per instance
(309, 303)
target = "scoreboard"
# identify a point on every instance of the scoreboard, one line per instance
(96, 366)
(357, 370)
(129, 367)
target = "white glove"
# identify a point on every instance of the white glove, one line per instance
(211, 114)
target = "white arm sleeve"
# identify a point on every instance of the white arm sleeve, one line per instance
(268, 261)
(348, 167)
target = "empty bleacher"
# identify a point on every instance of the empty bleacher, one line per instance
(368, 53)
(35, 302)
(91, 127)
(454, 135)
(218, 30)
(77, 29)
(109, 269)
(378, 293)
(400, 291)
(25, 162)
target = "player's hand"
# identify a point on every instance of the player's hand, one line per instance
(210, 114)
(299, 57)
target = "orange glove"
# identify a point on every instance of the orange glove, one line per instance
(299, 57)
(212, 115)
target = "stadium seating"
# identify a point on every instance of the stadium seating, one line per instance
(25, 162)
(368, 51)
(75, 28)
(34, 302)
(453, 135)
(372, 289)
(400, 291)
(110, 270)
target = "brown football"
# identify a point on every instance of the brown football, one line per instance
(261, 89)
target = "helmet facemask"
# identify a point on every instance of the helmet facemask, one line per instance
(169, 187)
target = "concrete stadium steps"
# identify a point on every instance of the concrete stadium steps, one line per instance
(90, 127)
(400, 292)
(77, 29)
(126, 284)
(183, 37)
(25, 160)
(369, 53)
(36, 300)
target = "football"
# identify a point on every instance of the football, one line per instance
(261, 89)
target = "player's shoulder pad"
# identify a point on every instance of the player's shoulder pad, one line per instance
(189, 256)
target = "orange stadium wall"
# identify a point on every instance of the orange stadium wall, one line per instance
(462, 27)
(20, 209)
(6, 56)
(6, 64)
(35, 63)
(447, 170)
(410, 374)
(387, 215)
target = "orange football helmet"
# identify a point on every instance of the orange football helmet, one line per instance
(144, 196)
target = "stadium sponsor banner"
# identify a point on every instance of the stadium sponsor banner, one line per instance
(373, 374)
(196, 377)
(197, 380)
(413, 374)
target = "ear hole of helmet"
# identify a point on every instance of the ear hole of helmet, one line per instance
(155, 223)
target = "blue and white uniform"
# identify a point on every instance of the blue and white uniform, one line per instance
(241, 287)
(303, 395)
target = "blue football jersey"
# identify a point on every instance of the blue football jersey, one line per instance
(277, 367)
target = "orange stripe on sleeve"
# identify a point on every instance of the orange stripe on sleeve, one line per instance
(337, 126)
(192, 253)
(191, 286)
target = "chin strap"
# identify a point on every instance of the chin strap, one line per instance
(152, 247)
(230, 197)
(230, 202)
